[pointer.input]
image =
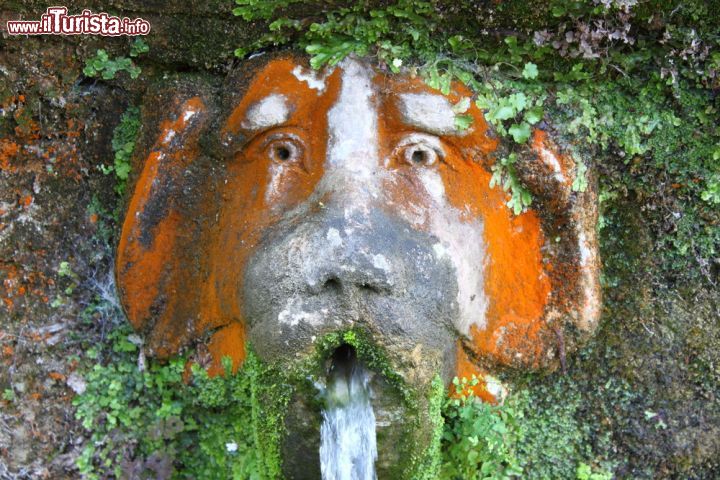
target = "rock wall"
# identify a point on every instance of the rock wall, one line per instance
(647, 388)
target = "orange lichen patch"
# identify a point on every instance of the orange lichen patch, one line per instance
(229, 342)
(57, 376)
(205, 248)
(258, 189)
(253, 200)
(467, 369)
(30, 150)
(12, 285)
(148, 260)
(8, 152)
(560, 166)
(516, 283)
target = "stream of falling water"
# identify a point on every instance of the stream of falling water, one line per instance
(348, 447)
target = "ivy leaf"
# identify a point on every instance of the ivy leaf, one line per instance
(463, 122)
(518, 101)
(462, 105)
(534, 115)
(530, 72)
(504, 112)
(520, 133)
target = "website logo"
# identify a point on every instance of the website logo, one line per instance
(56, 21)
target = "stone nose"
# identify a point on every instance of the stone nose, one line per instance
(352, 256)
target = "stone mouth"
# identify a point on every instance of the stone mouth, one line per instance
(342, 361)
(347, 377)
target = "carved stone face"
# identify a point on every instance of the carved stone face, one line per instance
(313, 202)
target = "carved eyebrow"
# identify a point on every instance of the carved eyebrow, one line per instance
(270, 111)
(428, 112)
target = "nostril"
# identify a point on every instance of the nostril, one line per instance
(367, 287)
(332, 284)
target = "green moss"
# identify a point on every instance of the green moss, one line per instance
(123, 145)
(150, 422)
(425, 465)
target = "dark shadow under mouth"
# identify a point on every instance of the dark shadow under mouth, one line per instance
(342, 362)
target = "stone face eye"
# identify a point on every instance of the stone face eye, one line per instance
(420, 150)
(283, 151)
(420, 155)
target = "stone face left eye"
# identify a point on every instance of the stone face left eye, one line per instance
(419, 150)
(420, 155)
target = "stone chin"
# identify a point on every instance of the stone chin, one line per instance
(305, 203)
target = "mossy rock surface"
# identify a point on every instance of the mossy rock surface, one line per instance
(642, 399)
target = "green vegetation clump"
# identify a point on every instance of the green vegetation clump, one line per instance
(629, 85)
(166, 420)
(123, 145)
(101, 65)
(145, 421)
(479, 440)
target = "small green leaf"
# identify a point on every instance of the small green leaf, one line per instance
(530, 71)
(520, 132)
(518, 101)
(534, 115)
(504, 113)
(461, 106)
(463, 122)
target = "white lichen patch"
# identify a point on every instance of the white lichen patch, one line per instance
(549, 158)
(271, 111)
(169, 136)
(277, 172)
(294, 313)
(430, 113)
(333, 237)
(315, 80)
(381, 263)
(495, 388)
(352, 128)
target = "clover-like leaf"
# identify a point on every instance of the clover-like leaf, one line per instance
(463, 122)
(530, 72)
(534, 115)
(520, 132)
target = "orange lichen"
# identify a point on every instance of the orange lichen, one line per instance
(516, 283)
(467, 369)
(8, 151)
(147, 258)
(229, 342)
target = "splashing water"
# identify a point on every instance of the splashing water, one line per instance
(348, 447)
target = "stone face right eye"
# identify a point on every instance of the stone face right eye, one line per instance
(283, 151)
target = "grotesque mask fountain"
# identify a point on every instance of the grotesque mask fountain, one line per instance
(305, 203)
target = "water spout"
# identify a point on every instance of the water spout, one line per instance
(348, 448)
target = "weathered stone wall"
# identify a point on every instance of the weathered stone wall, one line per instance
(659, 340)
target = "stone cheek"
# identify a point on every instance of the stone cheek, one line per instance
(319, 202)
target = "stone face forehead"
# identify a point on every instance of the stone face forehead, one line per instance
(353, 140)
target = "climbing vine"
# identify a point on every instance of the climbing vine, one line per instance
(631, 84)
